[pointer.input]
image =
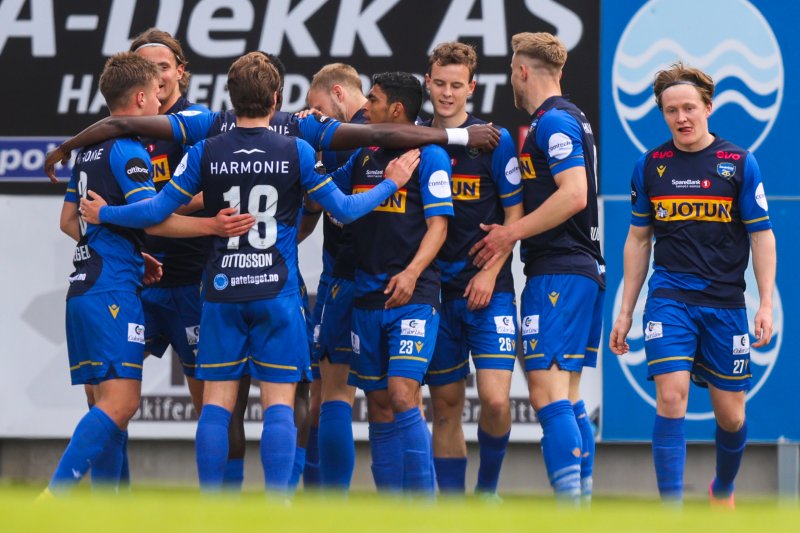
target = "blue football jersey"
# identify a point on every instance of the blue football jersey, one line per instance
(561, 138)
(183, 259)
(264, 174)
(387, 239)
(483, 184)
(701, 206)
(108, 257)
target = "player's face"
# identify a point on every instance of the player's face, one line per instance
(376, 110)
(686, 115)
(151, 103)
(171, 72)
(325, 102)
(449, 87)
(517, 83)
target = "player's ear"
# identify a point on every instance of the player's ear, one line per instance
(140, 98)
(338, 92)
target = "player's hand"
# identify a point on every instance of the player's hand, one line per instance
(401, 287)
(152, 269)
(400, 169)
(497, 243)
(480, 289)
(617, 341)
(56, 155)
(763, 327)
(308, 112)
(90, 207)
(229, 223)
(483, 136)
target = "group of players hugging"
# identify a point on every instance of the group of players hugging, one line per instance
(420, 219)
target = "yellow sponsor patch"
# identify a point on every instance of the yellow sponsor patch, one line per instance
(679, 208)
(466, 188)
(553, 296)
(419, 346)
(161, 170)
(526, 167)
(396, 203)
(114, 310)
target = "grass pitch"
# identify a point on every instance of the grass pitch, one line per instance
(148, 510)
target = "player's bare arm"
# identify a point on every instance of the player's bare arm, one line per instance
(636, 261)
(350, 136)
(762, 244)
(568, 200)
(481, 287)
(401, 286)
(70, 220)
(157, 126)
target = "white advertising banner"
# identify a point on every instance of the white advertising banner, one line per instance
(35, 389)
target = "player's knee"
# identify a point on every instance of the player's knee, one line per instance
(496, 407)
(402, 400)
(673, 399)
(730, 422)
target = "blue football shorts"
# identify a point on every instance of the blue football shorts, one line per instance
(712, 343)
(172, 317)
(562, 320)
(337, 316)
(489, 334)
(395, 342)
(266, 339)
(105, 337)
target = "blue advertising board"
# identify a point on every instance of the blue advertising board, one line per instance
(750, 50)
(22, 158)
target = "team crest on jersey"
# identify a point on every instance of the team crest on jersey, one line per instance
(726, 170)
(160, 168)
(466, 188)
(473, 153)
(396, 203)
(504, 324)
(135, 333)
(526, 167)
(530, 325)
(193, 335)
(114, 310)
(653, 330)
(412, 327)
(661, 169)
(553, 297)
(741, 344)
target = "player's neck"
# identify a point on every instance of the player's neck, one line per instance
(352, 106)
(167, 105)
(253, 122)
(540, 93)
(449, 122)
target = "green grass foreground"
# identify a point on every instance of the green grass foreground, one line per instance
(173, 510)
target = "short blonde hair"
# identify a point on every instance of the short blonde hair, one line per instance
(336, 74)
(542, 46)
(680, 74)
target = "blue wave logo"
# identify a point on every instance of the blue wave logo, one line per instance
(728, 39)
(762, 360)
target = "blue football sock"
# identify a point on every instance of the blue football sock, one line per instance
(587, 447)
(298, 466)
(233, 477)
(416, 447)
(125, 471)
(337, 452)
(311, 475)
(278, 444)
(492, 450)
(451, 474)
(669, 456)
(92, 436)
(561, 448)
(387, 457)
(730, 448)
(107, 468)
(211, 446)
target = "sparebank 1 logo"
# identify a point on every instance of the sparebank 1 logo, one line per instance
(762, 360)
(728, 39)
